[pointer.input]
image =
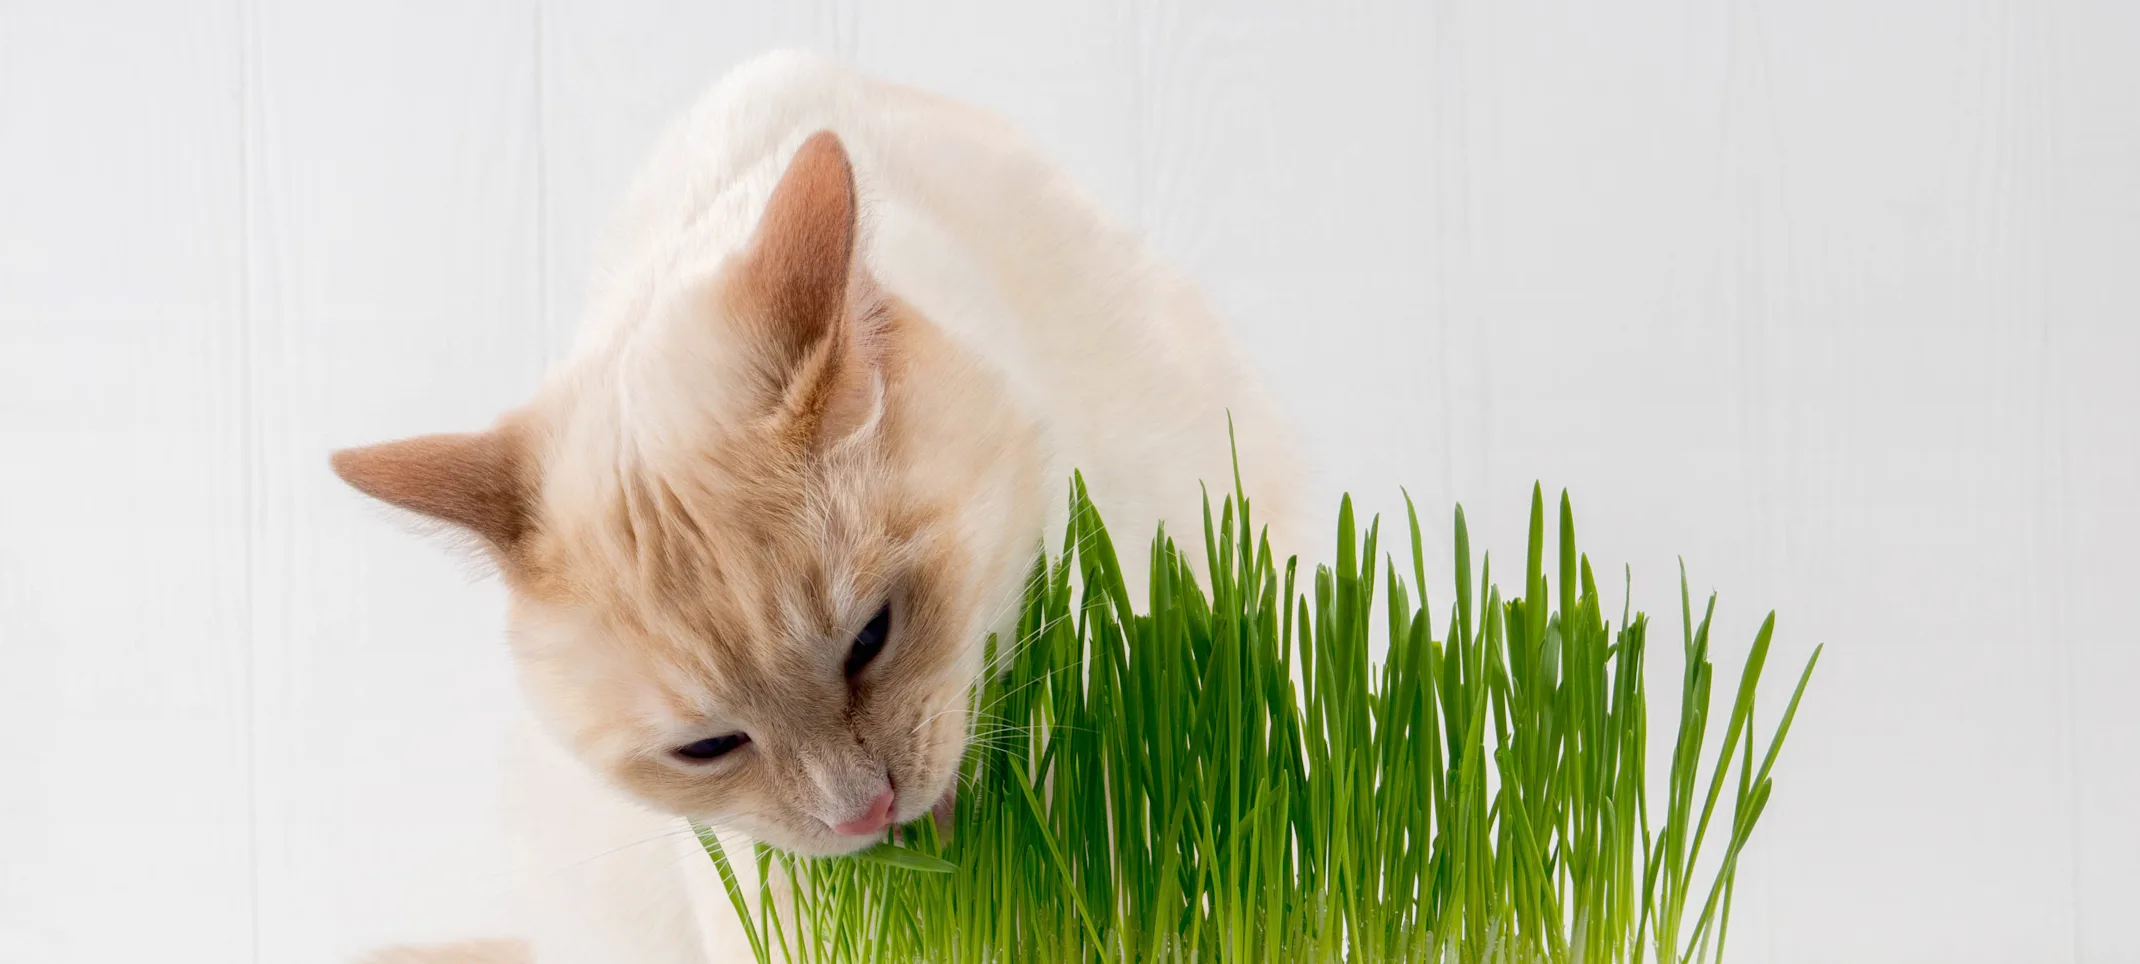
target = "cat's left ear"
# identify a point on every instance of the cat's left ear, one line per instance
(478, 482)
(815, 316)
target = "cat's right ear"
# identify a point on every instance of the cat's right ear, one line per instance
(479, 482)
(816, 318)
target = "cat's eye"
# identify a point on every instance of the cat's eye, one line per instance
(712, 748)
(870, 641)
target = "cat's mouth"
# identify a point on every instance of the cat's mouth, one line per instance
(939, 813)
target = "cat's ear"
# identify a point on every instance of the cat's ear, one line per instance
(816, 316)
(477, 481)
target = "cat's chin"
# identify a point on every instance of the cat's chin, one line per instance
(829, 844)
(939, 811)
(826, 844)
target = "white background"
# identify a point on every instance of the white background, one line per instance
(1838, 300)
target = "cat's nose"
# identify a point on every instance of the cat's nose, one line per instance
(877, 817)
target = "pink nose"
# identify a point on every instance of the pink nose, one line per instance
(878, 817)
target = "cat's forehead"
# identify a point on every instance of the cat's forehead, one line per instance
(676, 643)
(742, 556)
(625, 683)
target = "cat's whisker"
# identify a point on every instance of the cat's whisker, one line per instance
(933, 717)
(620, 848)
(1007, 694)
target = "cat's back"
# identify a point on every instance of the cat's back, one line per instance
(714, 167)
(1114, 352)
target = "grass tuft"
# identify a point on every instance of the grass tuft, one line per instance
(1226, 775)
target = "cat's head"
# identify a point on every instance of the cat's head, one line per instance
(753, 544)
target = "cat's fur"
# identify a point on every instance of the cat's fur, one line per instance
(845, 347)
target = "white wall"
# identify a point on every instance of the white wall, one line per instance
(1840, 301)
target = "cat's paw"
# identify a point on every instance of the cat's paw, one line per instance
(470, 952)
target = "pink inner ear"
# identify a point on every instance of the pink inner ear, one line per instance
(800, 262)
(477, 481)
(819, 317)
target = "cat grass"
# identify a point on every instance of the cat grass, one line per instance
(1179, 772)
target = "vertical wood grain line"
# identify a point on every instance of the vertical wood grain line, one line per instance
(553, 340)
(1140, 100)
(249, 468)
(1451, 199)
(2050, 505)
(2053, 503)
(843, 21)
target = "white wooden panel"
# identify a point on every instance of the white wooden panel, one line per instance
(1765, 287)
(1836, 300)
(1881, 309)
(393, 216)
(2089, 457)
(124, 810)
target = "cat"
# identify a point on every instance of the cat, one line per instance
(846, 344)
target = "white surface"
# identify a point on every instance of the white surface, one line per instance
(1837, 300)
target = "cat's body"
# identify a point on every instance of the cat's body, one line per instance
(761, 441)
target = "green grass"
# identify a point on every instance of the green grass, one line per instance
(1226, 775)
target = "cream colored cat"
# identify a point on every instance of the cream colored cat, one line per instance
(845, 349)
